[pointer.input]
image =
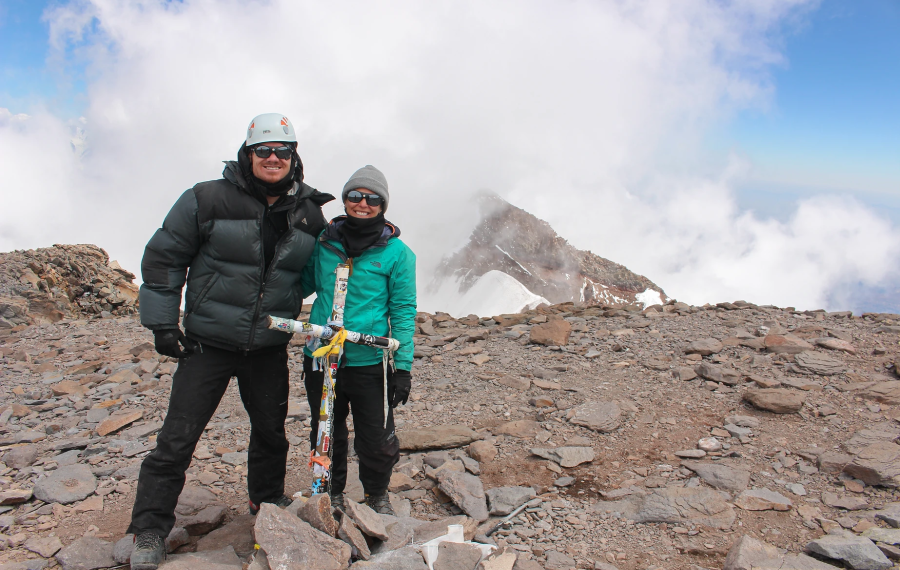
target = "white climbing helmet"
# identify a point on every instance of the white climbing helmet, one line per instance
(270, 127)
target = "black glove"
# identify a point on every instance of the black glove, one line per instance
(399, 385)
(167, 343)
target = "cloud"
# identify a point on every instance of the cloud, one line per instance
(588, 114)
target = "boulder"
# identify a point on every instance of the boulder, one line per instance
(349, 533)
(599, 416)
(884, 392)
(222, 559)
(720, 476)
(15, 496)
(747, 553)
(368, 521)
(818, 363)
(292, 544)
(684, 373)
(836, 344)
(504, 500)
(718, 374)
(742, 421)
(877, 464)
(317, 512)
(118, 421)
(482, 451)
(883, 535)
(776, 400)
(237, 533)
(518, 428)
(467, 492)
(45, 547)
(457, 556)
(21, 456)
(199, 511)
(786, 344)
(675, 505)
(68, 484)
(557, 561)
(857, 552)
(833, 461)
(515, 382)
(865, 437)
(566, 456)
(553, 333)
(86, 553)
(850, 503)
(203, 521)
(407, 558)
(763, 500)
(890, 514)
(704, 347)
(437, 437)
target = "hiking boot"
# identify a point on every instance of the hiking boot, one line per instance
(337, 502)
(380, 503)
(283, 502)
(149, 552)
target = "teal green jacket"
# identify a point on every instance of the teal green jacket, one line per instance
(381, 293)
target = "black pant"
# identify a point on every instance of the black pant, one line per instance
(197, 387)
(359, 389)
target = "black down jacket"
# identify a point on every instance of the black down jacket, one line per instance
(212, 238)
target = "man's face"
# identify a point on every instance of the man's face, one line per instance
(271, 169)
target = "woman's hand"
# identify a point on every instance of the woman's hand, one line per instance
(399, 384)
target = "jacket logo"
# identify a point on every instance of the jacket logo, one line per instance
(376, 264)
(303, 221)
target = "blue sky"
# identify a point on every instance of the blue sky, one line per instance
(834, 124)
(25, 75)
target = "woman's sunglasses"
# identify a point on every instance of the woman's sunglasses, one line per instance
(355, 196)
(282, 152)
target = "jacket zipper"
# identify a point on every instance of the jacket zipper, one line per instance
(339, 253)
(203, 293)
(268, 271)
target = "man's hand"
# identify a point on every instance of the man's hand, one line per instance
(400, 383)
(167, 343)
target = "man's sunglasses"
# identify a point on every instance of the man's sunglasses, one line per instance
(355, 196)
(282, 152)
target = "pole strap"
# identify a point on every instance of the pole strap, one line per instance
(336, 346)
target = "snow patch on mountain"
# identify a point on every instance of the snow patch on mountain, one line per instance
(493, 293)
(649, 297)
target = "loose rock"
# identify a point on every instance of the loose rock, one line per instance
(86, 553)
(776, 400)
(66, 485)
(603, 417)
(763, 500)
(857, 552)
(292, 544)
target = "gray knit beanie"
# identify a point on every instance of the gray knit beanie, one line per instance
(370, 178)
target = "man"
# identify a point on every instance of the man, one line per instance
(241, 243)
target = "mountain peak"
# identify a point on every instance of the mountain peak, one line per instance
(515, 242)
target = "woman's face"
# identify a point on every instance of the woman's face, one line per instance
(361, 209)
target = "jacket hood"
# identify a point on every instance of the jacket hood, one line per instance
(332, 231)
(234, 174)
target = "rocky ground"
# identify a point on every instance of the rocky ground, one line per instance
(672, 437)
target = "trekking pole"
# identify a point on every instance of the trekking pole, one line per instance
(329, 356)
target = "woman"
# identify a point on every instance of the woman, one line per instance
(381, 300)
